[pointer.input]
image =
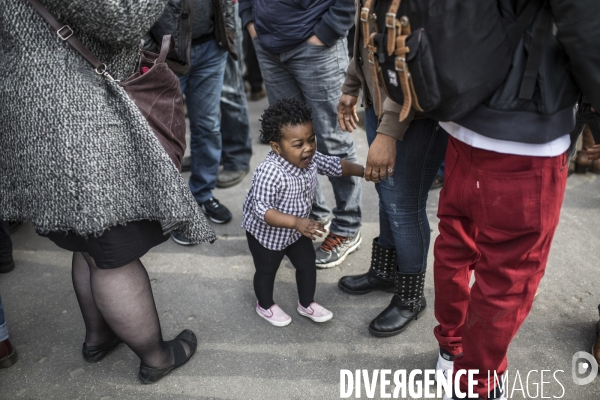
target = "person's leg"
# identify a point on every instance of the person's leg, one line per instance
(124, 298)
(383, 257)
(202, 89)
(515, 202)
(302, 255)
(404, 202)
(254, 76)
(279, 82)
(8, 354)
(3, 327)
(455, 254)
(97, 331)
(235, 122)
(266, 263)
(320, 72)
(7, 263)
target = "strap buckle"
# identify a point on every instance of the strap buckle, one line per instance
(400, 64)
(67, 34)
(364, 14)
(390, 20)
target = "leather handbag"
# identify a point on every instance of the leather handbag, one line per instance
(153, 87)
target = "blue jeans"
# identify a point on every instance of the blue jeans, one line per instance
(403, 222)
(3, 328)
(235, 122)
(314, 75)
(202, 89)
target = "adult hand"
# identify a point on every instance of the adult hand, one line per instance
(593, 152)
(347, 116)
(315, 40)
(309, 228)
(251, 30)
(381, 158)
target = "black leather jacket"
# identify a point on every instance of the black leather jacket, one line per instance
(176, 21)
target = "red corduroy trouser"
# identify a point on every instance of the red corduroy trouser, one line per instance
(498, 214)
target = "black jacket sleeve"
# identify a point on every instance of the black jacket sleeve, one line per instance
(579, 33)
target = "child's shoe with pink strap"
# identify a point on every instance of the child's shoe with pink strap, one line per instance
(315, 311)
(274, 315)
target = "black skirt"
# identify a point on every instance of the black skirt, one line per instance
(117, 246)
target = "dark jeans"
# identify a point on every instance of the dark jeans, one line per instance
(403, 222)
(253, 74)
(202, 88)
(235, 122)
(302, 255)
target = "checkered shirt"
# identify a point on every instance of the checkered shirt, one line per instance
(279, 185)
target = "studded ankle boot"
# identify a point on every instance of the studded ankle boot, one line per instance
(407, 305)
(380, 276)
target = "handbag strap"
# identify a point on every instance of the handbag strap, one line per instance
(65, 33)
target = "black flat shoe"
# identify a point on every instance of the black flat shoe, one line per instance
(97, 353)
(150, 375)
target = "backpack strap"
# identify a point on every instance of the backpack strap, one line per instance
(365, 18)
(534, 58)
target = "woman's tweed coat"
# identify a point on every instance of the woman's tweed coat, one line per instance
(75, 152)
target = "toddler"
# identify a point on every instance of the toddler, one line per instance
(278, 204)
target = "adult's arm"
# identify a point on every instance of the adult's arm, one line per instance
(381, 158)
(579, 34)
(246, 11)
(347, 116)
(336, 22)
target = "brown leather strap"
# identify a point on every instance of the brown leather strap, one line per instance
(365, 19)
(373, 60)
(391, 24)
(403, 76)
(65, 33)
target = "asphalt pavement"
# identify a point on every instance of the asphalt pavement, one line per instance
(208, 288)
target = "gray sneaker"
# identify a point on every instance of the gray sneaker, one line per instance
(335, 248)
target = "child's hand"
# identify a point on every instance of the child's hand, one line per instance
(309, 228)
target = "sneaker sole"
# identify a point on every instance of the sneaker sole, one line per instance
(274, 323)
(341, 260)
(396, 332)
(360, 292)
(316, 319)
(225, 185)
(180, 242)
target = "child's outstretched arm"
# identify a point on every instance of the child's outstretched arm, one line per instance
(352, 169)
(305, 226)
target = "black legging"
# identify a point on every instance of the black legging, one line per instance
(302, 255)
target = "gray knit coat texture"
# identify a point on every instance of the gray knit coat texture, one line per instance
(75, 152)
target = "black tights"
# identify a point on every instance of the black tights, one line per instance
(119, 302)
(302, 255)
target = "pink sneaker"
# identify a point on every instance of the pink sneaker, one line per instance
(275, 315)
(315, 311)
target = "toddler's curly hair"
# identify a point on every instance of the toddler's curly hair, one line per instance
(286, 112)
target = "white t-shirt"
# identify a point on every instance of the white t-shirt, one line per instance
(474, 139)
